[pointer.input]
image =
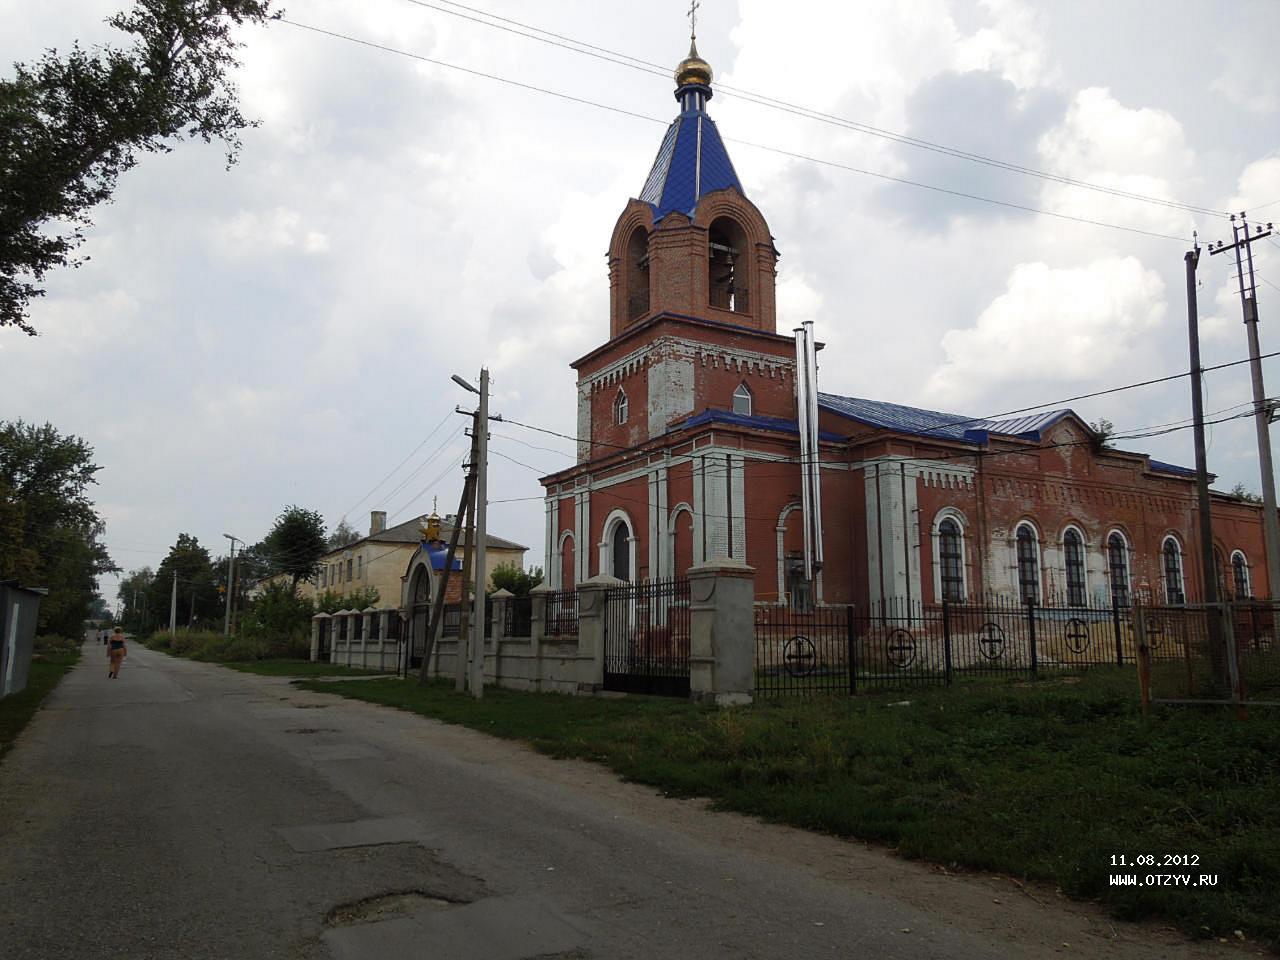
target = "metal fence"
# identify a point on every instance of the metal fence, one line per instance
(517, 618)
(561, 616)
(899, 644)
(646, 638)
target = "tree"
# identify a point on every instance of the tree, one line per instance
(71, 125)
(135, 600)
(342, 535)
(296, 543)
(1103, 431)
(508, 576)
(1242, 492)
(50, 531)
(199, 598)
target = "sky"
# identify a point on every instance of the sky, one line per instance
(283, 332)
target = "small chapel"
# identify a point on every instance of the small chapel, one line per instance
(703, 436)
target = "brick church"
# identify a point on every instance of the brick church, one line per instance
(703, 436)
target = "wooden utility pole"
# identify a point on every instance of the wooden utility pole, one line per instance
(464, 604)
(480, 616)
(173, 606)
(1242, 241)
(1209, 580)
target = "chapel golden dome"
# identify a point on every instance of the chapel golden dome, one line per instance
(693, 69)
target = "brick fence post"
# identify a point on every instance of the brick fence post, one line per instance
(722, 640)
(591, 623)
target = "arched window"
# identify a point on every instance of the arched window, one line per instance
(950, 560)
(727, 265)
(620, 550)
(1118, 566)
(1028, 564)
(742, 400)
(637, 274)
(1240, 574)
(1173, 590)
(620, 407)
(1073, 554)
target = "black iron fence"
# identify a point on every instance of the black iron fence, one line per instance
(899, 644)
(517, 618)
(646, 638)
(561, 614)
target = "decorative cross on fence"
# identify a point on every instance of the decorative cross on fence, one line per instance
(991, 642)
(1077, 635)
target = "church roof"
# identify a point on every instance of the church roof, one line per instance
(931, 423)
(691, 163)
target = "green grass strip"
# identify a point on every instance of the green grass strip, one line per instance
(1043, 781)
(17, 710)
(300, 668)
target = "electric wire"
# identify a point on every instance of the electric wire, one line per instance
(748, 143)
(532, 32)
(393, 470)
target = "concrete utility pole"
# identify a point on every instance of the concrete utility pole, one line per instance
(231, 582)
(482, 493)
(173, 606)
(437, 610)
(1209, 586)
(1242, 240)
(464, 608)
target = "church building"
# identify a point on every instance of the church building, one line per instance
(702, 436)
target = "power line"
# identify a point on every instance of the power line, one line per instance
(748, 143)
(393, 470)
(531, 32)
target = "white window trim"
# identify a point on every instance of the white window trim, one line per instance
(621, 407)
(1182, 568)
(1017, 572)
(1248, 574)
(616, 516)
(743, 392)
(950, 513)
(1128, 562)
(1084, 559)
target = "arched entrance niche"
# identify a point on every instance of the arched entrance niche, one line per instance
(419, 591)
(568, 571)
(618, 547)
(681, 540)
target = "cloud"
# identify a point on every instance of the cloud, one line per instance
(1138, 150)
(1259, 184)
(1012, 45)
(1053, 324)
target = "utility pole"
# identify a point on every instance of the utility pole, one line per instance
(231, 580)
(173, 606)
(464, 608)
(437, 609)
(1242, 240)
(1209, 586)
(482, 491)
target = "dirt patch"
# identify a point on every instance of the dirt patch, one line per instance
(387, 906)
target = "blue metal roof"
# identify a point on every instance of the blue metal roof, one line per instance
(932, 423)
(691, 162)
(1159, 466)
(776, 424)
(438, 556)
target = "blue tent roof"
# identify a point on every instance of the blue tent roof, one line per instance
(691, 162)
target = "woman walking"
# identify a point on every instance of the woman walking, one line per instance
(116, 651)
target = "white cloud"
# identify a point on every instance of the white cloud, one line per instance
(1013, 46)
(1259, 184)
(1053, 324)
(1137, 150)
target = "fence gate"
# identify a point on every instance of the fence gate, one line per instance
(646, 638)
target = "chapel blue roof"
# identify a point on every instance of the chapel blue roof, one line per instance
(931, 423)
(439, 555)
(692, 160)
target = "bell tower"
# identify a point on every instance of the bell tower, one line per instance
(692, 244)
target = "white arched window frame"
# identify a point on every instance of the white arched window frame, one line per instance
(620, 407)
(1241, 582)
(958, 518)
(1028, 572)
(1077, 593)
(1119, 569)
(557, 572)
(742, 400)
(669, 558)
(1171, 570)
(611, 522)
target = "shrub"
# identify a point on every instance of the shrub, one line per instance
(331, 601)
(54, 645)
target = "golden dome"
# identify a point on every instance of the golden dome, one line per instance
(693, 69)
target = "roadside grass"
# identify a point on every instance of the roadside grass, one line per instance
(299, 668)
(1044, 781)
(213, 647)
(48, 665)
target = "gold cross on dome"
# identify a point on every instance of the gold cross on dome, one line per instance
(693, 17)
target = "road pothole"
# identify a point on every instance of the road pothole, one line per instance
(387, 906)
(312, 730)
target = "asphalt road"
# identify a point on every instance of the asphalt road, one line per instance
(186, 810)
